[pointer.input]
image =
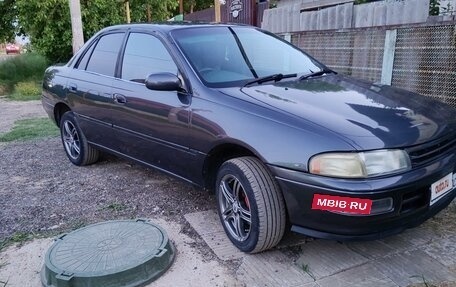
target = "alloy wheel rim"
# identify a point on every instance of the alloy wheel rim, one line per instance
(71, 140)
(235, 208)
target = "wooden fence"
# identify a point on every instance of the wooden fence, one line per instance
(297, 17)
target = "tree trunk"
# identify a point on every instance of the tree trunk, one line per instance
(149, 15)
(76, 25)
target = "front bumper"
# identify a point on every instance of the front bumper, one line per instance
(410, 193)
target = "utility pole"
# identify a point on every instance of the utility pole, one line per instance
(127, 10)
(76, 25)
(218, 17)
(149, 13)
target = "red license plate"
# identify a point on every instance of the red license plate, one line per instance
(342, 204)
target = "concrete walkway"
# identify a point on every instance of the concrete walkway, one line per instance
(420, 255)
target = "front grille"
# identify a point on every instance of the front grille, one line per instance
(427, 152)
(413, 200)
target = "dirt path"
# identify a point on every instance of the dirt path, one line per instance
(11, 111)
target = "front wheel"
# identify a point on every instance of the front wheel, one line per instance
(76, 147)
(250, 205)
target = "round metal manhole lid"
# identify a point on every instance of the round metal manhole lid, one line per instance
(113, 253)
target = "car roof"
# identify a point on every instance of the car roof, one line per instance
(166, 27)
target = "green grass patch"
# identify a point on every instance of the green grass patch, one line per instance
(115, 207)
(17, 238)
(26, 91)
(29, 129)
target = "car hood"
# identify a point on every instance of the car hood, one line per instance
(368, 116)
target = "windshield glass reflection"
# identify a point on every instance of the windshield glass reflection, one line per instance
(231, 56)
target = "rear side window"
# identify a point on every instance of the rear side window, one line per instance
(104, 56)
(85, 59)
(145, 55)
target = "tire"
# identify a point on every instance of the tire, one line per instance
(75, 144)
(250, 205)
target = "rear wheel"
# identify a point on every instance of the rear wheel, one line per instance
(250, 204)
(77, 148)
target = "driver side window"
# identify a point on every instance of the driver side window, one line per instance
(145, 55)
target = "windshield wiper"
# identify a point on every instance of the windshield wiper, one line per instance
(316, 74)
(273, 77)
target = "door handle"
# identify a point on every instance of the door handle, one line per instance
(73, 87)
(120, 99)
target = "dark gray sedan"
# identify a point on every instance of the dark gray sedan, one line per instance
(278, 136)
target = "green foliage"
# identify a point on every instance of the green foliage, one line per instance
(48, 23)
(196, 5)
(50, 26)
(18, 238)
(160, 10)
(116, 207)
(434, 8)
(21, 68)
(26, 91)
(306, 268)
(7, 16)
(29, 129)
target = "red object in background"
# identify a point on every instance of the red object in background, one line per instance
(13, 49)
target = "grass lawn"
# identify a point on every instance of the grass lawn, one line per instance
(29, 129)
(22, 97)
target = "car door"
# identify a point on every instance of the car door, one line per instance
(90, 85)
(152, 125)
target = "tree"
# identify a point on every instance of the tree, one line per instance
(48, 23)
(8, 14)
(191, 6)
(434, 8)
(160, 10)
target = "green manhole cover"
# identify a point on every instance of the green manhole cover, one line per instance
(114, 253)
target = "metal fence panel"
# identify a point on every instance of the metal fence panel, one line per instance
(355, 53)
(424, 57)
(425, 61)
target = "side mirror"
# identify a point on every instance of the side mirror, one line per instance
(163, 82)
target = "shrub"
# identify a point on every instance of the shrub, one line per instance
(3, 89)
(22, 68)
(25, 91)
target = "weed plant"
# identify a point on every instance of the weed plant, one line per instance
(27, 67)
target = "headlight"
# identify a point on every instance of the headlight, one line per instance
(360, 165)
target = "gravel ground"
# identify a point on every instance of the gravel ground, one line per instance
(42, 191)
(43, 194)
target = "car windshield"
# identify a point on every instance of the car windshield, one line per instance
(233, 56)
